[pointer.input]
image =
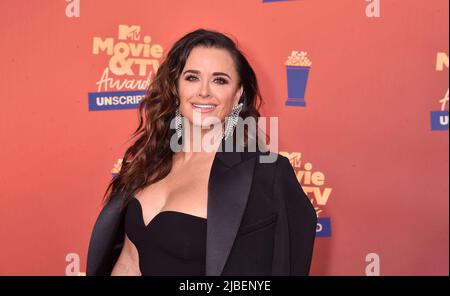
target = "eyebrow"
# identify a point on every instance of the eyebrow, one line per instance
(214, 74)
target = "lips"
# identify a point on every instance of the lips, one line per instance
(203, 108)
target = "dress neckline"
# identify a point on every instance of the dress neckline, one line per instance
(162, 213)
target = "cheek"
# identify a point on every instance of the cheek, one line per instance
(223, 111)
(226, 103)
(185, 91)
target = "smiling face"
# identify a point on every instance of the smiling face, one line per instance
(208, 86)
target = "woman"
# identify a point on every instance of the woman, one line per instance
(172, 211)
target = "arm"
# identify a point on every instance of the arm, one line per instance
(128, 262)
(301, 217)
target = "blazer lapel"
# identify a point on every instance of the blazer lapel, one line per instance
(228, 189)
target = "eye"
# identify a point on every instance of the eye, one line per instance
(190, 78)
(221, 80)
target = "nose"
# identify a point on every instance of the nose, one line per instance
(204, 90)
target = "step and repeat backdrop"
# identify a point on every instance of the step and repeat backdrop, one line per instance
(360, 89)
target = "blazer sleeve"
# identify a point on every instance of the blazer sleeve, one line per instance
(301, 217)
(106, 239)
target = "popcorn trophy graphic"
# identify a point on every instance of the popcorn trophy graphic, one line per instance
(297, 68)
(117, 166)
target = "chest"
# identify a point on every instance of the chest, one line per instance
(184, 189)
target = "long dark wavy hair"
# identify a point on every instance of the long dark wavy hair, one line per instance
(149, 158)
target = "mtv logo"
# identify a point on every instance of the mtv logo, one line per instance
(294, 158)
(129, 32)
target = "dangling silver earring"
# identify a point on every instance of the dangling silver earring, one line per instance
(178, 123)
(232, 120)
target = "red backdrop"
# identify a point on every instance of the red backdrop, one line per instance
(373, 132)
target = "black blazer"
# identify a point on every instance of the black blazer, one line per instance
(259, 220)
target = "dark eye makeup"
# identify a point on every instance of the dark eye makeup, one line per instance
(218, 79)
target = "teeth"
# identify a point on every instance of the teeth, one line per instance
(204, 106)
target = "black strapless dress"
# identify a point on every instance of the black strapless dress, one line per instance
(173, 243)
